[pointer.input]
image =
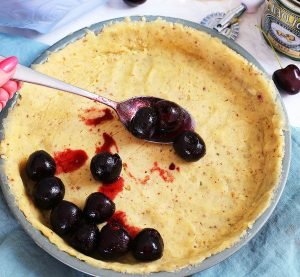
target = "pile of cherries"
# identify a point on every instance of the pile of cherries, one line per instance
(79, 227)
(165, 119)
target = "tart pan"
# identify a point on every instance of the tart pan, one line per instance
(71, 261)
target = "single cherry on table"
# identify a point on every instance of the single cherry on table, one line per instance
(287, 79)
(134, 3)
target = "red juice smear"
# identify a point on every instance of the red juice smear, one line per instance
(112, 190)
(98, 120)
(121, 218)
(164, 174)
(106, 116)
(145, 180)
(109, 142)
(131, 175)
(172, 166)
(260, 98)
(69, 160)
(125, 166)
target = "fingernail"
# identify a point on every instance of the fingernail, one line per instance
(7, 65)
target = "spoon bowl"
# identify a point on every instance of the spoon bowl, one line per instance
(126, 110)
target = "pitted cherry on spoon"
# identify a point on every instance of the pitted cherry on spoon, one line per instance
(171, 119)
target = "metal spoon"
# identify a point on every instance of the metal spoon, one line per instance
(125, 109)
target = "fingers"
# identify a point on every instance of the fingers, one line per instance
(7, 87)
(7, 69)
(11, 87)
(4, 96)
(7, 91)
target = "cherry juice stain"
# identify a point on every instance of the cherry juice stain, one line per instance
(172, 166)
(260, 98)
(109, 142)
(106, 115)
(113, 189)
(69, 160)
(164, 174)
(125, 166)
(142, 181)
(121, 217)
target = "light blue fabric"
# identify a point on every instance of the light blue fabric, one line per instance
(25, 49)
(42, 15)
(275, 251)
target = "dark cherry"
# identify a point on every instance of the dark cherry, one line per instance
(48, 192)
(287, 79)
(189, 146)
(98, 208)
(65, 217)
(170, 116)
(40, 165)
(85, 238)
(148, 245)
(106, 167)
(114, 241)
(143, 124)
(134, 3)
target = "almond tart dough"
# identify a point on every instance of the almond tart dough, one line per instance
(199, 208)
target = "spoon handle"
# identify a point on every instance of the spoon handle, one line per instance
(29, 75)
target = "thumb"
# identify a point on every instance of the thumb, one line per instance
(7, 69)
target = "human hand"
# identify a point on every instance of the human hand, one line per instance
(7, 86)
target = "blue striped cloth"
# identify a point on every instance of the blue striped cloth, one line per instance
(275, 250)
